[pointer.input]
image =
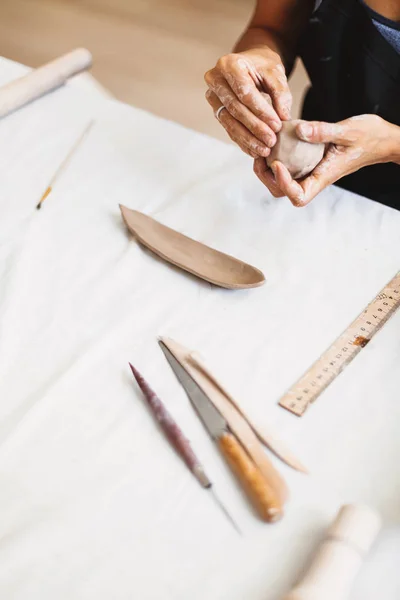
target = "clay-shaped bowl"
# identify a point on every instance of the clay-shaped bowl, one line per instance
(192, 256)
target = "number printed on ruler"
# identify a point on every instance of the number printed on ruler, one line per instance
(343, 350)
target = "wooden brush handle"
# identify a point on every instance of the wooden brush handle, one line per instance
(339, 558)
(263, 496)
(42, 80)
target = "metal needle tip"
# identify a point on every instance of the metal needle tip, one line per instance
(222, 507)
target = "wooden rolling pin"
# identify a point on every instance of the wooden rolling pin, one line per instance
(340, 556)
(38, 82)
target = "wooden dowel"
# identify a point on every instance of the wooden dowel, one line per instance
(340, 556)
(40, 81)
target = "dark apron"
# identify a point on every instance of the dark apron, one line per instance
(353, 71)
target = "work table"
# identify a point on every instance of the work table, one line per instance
(94, 502)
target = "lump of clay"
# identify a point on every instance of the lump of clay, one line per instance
(299, 157)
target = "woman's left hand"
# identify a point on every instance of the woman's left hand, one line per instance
(351, 144)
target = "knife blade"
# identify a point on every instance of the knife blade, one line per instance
(215, 424)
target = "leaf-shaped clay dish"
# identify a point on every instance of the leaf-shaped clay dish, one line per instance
(187, 254)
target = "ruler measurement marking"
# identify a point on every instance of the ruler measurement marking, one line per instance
(344, 349)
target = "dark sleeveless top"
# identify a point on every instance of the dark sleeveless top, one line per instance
(353, 70)
(388, 28)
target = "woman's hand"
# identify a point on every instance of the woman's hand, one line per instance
(351, 144)
(241, 84)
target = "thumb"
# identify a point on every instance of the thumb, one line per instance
(318, 132)
(330, 169)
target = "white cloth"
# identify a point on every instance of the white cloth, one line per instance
(94, 504)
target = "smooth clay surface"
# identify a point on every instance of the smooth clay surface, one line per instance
(299, 157)
(192, 256)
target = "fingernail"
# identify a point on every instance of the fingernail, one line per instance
(305, 130)
(299, 199)
(276, 126)
(263, 151)
(287, 111)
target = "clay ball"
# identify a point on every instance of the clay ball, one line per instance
(299, 157)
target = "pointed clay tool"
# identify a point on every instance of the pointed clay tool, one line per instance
(237, 423)
(187, 254)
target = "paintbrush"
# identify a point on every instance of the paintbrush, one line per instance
(177, 439)
(64, 164)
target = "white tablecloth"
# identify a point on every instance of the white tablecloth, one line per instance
(94, 504)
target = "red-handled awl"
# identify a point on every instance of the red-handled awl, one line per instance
(177, 438)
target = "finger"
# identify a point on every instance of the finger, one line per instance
(241, 113)
(275, 82)
(291, 188)
(242, 84)
(332, 167)
(320, 132)
(237, 132)
(240, 135)
(243, 79)
(265, 175)
(216, 104)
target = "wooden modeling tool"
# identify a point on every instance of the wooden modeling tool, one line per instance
(236, 440)
(340, 556)
(64, 164)
(325, 370)
(187, 254)
(178, 440)
(252, 436)
(229, 408)
(40, 81)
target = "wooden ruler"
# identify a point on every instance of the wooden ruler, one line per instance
(343, 350)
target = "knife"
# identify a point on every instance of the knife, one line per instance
(261, 494)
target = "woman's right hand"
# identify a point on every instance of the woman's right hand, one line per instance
(253, 88)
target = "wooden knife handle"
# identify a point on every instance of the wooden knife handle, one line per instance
(262, 495)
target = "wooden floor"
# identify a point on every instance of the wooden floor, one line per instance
(150, 53)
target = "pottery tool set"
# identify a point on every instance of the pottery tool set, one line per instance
(261, 483)
(336, 563)
(344, 349)
(177, 438)
(237, 439)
